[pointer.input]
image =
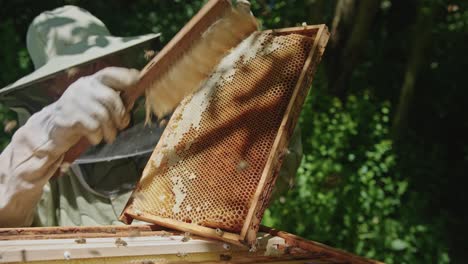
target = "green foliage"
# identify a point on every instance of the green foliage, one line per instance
(349, 192)
(10, 42)
(7, 125)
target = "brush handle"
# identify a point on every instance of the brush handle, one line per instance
(129, 96)
(74, 152)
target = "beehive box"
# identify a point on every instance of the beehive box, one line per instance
(153, 244)
(215, 165)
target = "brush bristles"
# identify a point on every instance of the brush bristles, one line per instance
(187, 74)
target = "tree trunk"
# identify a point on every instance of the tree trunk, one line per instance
(350, 30)
(342, 22)
(316, 11)
(420, 43)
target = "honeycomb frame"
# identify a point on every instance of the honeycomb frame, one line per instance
(247, 231)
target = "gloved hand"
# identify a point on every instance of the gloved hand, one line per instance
(91, 107)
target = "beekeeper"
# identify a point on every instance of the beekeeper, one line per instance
(80, 69)
(57, 108)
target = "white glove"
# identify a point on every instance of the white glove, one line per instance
(91, 107)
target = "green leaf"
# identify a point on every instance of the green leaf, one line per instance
(399, 245)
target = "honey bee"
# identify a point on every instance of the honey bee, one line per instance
(219, 232)
(186, 237)
(80, 240)
(120, 242)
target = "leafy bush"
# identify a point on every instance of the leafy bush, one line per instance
(349, 193)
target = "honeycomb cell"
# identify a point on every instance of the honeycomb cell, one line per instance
(209, 161)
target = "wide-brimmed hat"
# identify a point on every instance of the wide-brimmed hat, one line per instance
(67, 37)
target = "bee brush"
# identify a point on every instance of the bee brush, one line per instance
(187, 60)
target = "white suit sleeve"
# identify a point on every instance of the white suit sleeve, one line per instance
(26, 165)
(91, 107)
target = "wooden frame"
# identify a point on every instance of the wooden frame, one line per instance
(270, 172)
(153, 242)
(37, 244)
(265, 186)
(312, 246)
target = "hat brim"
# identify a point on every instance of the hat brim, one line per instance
(106, 46)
